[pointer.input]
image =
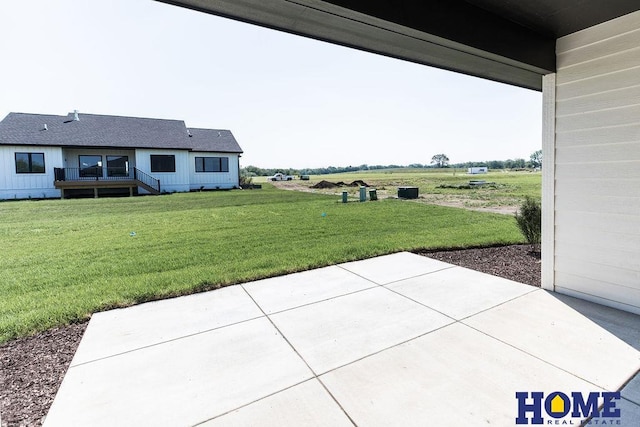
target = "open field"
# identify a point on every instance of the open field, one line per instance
(504, 197)
(64, 259)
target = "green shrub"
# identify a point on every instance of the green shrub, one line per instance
(245, 180)
(529, 219)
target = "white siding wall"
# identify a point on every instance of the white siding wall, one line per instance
(169, 181)
(597, 172)
(213, 180)
(24, 186)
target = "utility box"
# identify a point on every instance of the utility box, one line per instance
(363, 194)
(407, 192)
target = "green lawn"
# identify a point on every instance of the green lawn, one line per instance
(64, 259)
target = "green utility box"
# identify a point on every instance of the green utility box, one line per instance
(407, 192)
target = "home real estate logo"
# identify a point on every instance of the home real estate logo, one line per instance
(532, 407)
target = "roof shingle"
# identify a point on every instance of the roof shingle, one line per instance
(93, 130)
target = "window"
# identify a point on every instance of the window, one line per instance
(212, 164)
(29, 162)
(163, 163)
(90, 166)
(117, 165)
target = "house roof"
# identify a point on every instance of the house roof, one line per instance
(511, 41)
(94, 130)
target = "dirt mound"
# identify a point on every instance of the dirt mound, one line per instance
(325, 184)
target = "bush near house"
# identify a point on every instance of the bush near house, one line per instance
(529, 220)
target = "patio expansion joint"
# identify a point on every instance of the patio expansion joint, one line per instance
(253, 401)
(316, 302)
(162, 342)
(444, 314)
(315, 375)
(399, 280)
(637, 374)
(534, 289)
(539, 358)
(389, 347)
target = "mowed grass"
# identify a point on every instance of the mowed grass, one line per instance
(64, 259)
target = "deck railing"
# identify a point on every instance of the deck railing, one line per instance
(146, 179)
(99, 173)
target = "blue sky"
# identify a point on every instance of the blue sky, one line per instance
(290, 101)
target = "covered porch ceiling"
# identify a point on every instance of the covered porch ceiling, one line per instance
(510, 41)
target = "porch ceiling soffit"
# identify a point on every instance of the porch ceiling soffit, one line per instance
(453, 34)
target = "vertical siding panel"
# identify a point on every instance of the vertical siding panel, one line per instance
(214, 180)
(169, 181)
(25, 186)
(597, 135)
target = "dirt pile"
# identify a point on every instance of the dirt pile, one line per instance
(326, 184)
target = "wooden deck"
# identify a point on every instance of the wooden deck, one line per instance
(131, 184)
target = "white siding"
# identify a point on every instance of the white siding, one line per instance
(169, 181)
(25, 186)
(213, 180)
(597, 164)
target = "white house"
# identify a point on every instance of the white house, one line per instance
(45, 156)
(584, 55)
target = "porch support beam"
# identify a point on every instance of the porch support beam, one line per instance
(548, 180)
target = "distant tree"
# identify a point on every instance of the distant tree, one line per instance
(536, 159)
(495, 164)
(440, 160)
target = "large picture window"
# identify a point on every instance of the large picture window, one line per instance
(163, 163)
(90, 166)
(30, 163)
(117, 165)
(212, 164)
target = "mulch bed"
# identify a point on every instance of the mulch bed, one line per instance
(516, 262)
(32, 368)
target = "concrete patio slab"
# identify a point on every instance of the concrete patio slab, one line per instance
(118, 331)
(455, 376)
(307, 404)
(390, 268)
(335, 332)
(632, 390)
(631, 413)
(181, 382)
(459, 292)
(622, 324)
(372, 348)
(294, 290)
(543, 326)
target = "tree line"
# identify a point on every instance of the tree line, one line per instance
(438, 161)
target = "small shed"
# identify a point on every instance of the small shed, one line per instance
(478, 170)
